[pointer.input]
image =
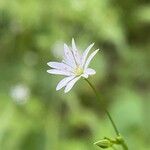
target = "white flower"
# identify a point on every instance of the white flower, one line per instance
(74, 66)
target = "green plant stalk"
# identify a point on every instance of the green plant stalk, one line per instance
(122, 142)
(124, 145)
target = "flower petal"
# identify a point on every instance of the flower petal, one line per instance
(64, 82)
(90, 71)
(73, 44)
(59, 72)
(60, 66)
(71, 84)
(68, 57)
(85, 53)
(76, 53)
(84, 75)
(90, 58)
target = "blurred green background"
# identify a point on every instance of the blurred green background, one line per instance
(33, 116)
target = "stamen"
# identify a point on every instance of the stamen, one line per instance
(78, 71)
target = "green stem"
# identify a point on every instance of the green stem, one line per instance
(112, 122)
(114, 148)
(124, 145)
(108, 114)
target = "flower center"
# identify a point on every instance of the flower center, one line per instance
(78, 71)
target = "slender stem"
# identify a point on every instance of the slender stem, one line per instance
(107, 112)
(114, 148)
(112, 122)
(124, 146)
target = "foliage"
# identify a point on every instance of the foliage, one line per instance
(32, 33)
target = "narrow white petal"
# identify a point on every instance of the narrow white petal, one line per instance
(84, 75)
(73, 44)
(90, 58)
(64, 82)
(76, 53)
(60, 66)
(71, 84)
(59, 72)
(90, 71)
(85, 54)
(68, 56)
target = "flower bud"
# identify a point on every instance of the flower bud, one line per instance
(119, 140)
(105, 143)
